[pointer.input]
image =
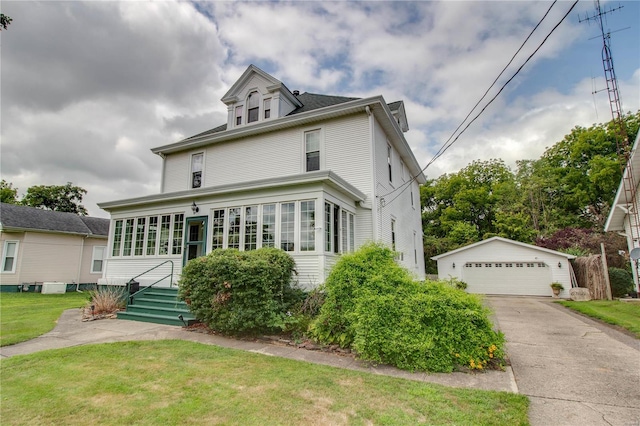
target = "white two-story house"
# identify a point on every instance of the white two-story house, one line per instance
(314, 175)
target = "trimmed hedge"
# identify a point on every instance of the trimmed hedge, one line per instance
(240, 292)
(374, 306)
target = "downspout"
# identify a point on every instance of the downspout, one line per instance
(164, 166)
(80, 263)
(374, 180)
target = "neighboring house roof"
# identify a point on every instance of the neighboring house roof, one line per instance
(619, 208)
(505, 240)
(22, 218)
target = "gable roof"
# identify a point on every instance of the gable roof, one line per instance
(504, 240)
(23, 218)
(275, 85)
(310, 102)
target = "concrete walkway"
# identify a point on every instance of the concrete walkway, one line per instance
(574, 370)
(71, 331)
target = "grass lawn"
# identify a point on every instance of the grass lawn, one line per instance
(623, 314)
(175, 382)
(24, 316)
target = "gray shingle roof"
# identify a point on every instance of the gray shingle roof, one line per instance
(310, 101)
(313, 101)
(23, 217)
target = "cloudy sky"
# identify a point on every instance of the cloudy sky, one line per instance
(88, 88)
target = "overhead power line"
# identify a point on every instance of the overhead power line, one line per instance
(450, 142)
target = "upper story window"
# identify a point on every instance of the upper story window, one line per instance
(238, 115)
(267, 108)
(197, 161)
(389, 162)
(312, 150)
(253, 107)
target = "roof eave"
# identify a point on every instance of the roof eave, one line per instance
(301, 179)
(269, 126)
(506, 240)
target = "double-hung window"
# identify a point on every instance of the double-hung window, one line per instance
(9, 256)
(98, 259)
(287, 226)
(393, 235)
(269, 225)
(233, 241)
(197, 161)
(239, 115)
(217, 229)
(307, 226)
(267, 108)
(251, 228)
(312, 150)
(253, 107)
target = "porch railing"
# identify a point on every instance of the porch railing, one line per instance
(134, 286)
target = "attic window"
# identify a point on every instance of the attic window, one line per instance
(253, 107)
(267, 108)
(238, 115)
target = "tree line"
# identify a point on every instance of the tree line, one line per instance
(568, 190)
(61, 198)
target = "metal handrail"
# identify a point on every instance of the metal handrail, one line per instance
(131, 296)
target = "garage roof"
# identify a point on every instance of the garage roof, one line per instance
(506, 240)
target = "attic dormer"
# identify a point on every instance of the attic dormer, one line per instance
(399, 115)
(257, 97)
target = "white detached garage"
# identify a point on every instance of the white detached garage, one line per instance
(502, 266)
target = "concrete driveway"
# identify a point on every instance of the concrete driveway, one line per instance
(574, 370)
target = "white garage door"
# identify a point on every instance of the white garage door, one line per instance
(515, 278)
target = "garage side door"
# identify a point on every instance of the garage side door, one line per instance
(509, 278)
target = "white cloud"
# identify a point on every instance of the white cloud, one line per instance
(89, 87)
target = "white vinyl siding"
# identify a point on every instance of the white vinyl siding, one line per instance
(278, 154)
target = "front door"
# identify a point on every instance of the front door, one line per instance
(195, 238)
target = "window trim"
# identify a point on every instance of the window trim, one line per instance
(237, 116)
(255, 108)
(15, 256)
(191, 171)
(94, 258)
(266, 112)
(320, 151)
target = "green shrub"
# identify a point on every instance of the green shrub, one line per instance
(426, 326)
(374, 305)
(621, 282)
(238, 292)
(371, 269)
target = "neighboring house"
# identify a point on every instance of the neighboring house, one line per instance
(314, 175)
(624, 215)
(42, 245)
(502, 266)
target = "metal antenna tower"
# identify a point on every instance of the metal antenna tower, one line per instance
(622, 140)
